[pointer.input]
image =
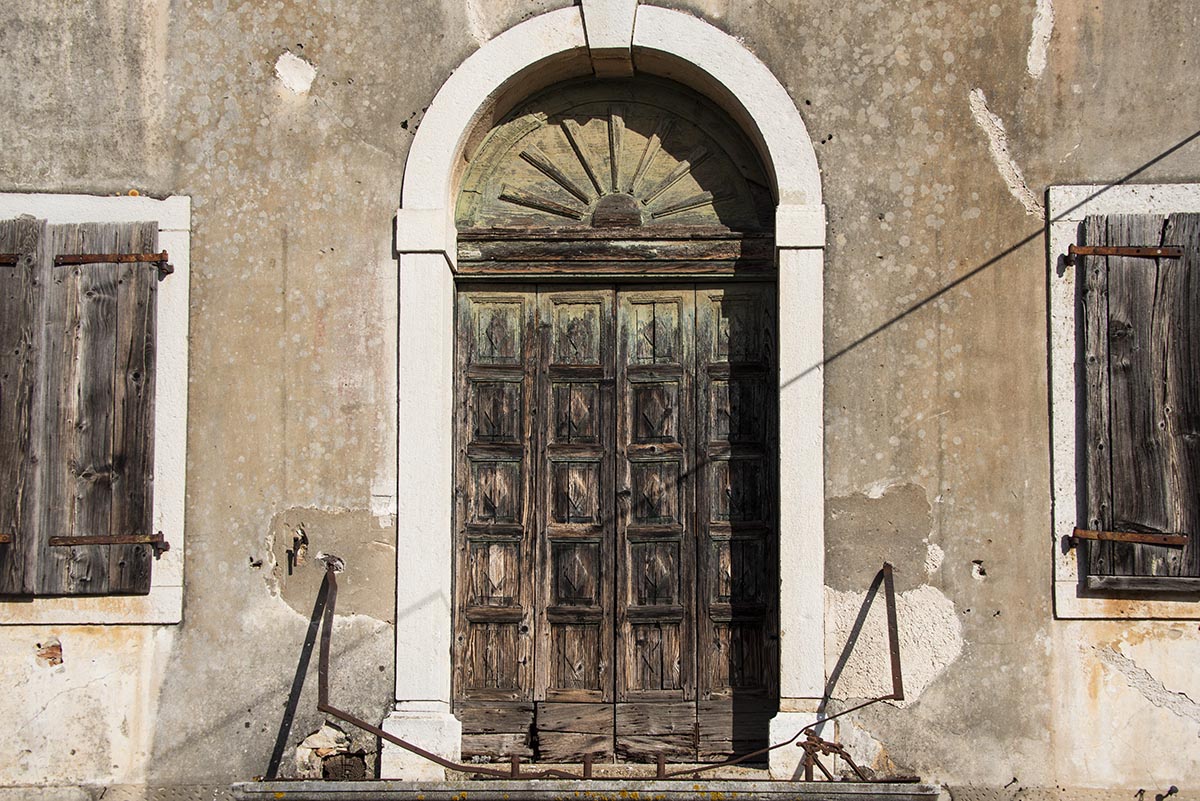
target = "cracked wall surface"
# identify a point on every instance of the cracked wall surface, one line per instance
(937, 441)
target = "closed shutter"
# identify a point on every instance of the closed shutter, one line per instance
(1142, 425)
(93, 435)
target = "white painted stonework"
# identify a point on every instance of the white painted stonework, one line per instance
(164, 603)
(609, 26)
(544, 50)
(1069, 205)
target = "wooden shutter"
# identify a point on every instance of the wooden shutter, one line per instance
(90, 417)
(20, 288)
(1142, 425)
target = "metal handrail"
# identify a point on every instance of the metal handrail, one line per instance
(813, 744)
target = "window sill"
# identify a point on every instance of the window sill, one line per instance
(162, 606)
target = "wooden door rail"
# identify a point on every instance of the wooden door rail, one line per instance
(1141, 537)
(160, 259)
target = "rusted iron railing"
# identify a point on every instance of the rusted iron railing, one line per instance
(814, 745)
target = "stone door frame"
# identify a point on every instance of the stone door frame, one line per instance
(602, 38)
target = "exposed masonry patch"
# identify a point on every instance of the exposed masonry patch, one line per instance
(1151, 689)
(295, 73)
(930, 639)
(1039, 39)
(993, 127)
(934, 556)
(475, 22)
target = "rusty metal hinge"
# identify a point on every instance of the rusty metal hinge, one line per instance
(1148, 252)
(165, 268)
(1140, 537)
(9, 259)
(155, 541)
(4, 538)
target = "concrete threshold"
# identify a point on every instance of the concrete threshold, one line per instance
(580, 790)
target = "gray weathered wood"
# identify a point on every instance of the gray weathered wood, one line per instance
(1097, 458)
(1141, 348)
(133, 418)
(21, 423)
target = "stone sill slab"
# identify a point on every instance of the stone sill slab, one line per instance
(570, 790)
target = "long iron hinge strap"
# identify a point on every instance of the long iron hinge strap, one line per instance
(155, 541)
(1141, 537)
(165, 268)
(9, 259)
(1147, 252)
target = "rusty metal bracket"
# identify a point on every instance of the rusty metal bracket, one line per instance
(155, 541)
(1149, 252)
(4, 538)
(893, 627)
(165, 268)
(9, 259)
(1141, 537)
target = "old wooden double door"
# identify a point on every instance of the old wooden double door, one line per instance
(615, 554)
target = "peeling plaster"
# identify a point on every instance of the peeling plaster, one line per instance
(934, 556)
(1039, 40)
(295, 73)
(993, 127)
(931, 639)
(475, 22)
(1153, 690)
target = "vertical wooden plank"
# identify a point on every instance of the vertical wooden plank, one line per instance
(1098, 464)
(20, 421)
(1136, 359)
(133, 410)
(81, 337)
(1181, 401)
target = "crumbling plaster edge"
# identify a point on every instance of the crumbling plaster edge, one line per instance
(164, 604)
(1068, 206)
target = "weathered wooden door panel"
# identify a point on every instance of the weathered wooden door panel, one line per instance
(494, 641)
(655, 648)
(736, 516)
(616, 516)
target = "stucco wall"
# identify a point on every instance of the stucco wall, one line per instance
(938, 132)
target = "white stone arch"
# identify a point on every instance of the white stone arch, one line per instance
(605, 38)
